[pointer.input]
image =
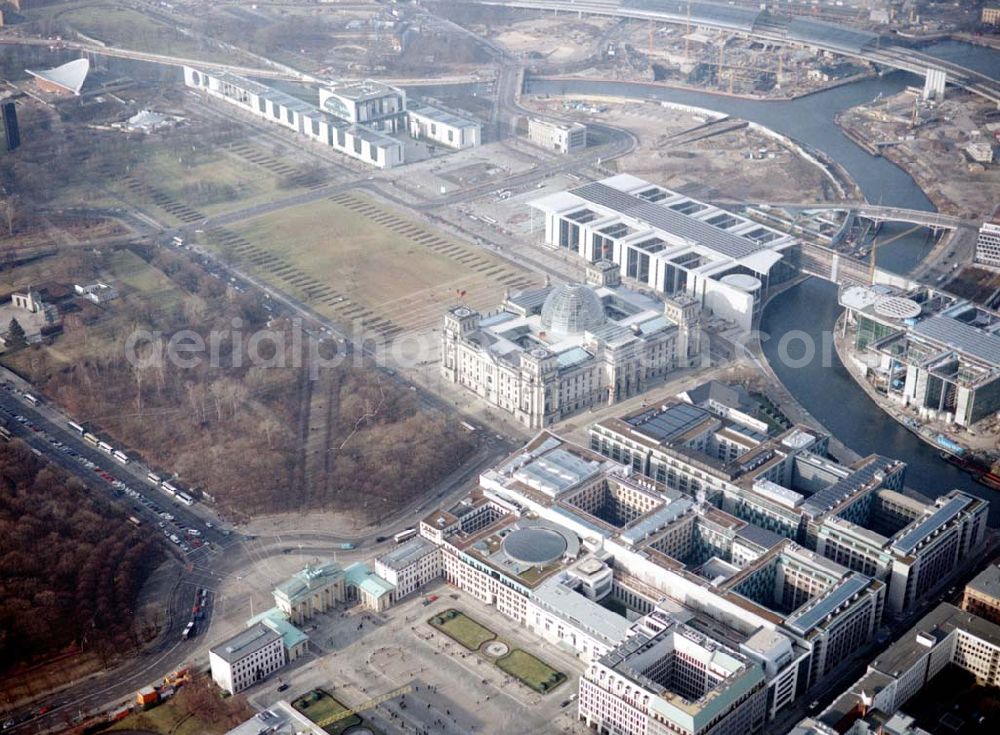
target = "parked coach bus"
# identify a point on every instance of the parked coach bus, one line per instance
(403, 535)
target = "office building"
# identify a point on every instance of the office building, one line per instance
(440, 126)
(360, 139)
(367, 103)
(11, 129)
(982, 594)
(946, 635)
(549, 353)
(671, 243)
(409, 566)
(248, 657)
(669, 678)
(988, 245)
(856, 515)
(293, 640)
(928, 350)
(556, 529)
(561, 137)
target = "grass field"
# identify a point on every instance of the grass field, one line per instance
(462, 629)
(358, 262)
(317, 705)
(121, 26)
(532, 671)
(167, 720)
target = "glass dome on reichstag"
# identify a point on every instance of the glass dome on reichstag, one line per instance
(572, 308)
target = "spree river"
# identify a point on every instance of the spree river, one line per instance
(827, 391)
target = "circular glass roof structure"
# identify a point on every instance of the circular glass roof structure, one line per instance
(572, 308)
(537, 546)
(897, 307)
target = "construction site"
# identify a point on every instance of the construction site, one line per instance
(948, 146)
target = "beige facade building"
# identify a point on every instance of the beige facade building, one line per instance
(552, 352)
(982, 594)
(316, 589)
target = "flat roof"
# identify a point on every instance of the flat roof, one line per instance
(936, 625)
(246, 642)
(962, 337)
(669, 220)
(827, 498)
(566, 603)
(666, 423)
(407, 553)
(909, 541)
(803, 621)
(362, 89)
(443, 116)
(987, 582)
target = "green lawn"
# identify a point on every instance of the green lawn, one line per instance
(317, 705)
(532, 671)
(463, 629)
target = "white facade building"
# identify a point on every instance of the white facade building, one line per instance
(248, 657)
(352, 138)
(988, 245)
(370, 104)
(670, 679)
(670, 243)
(561, 137)
(440, 126)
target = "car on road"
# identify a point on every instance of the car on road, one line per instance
(282, 687)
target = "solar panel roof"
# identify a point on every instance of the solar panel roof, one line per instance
(809, 618)
(668, 220)
(830, 34)
(829, 496)
(962, 337)
(665, 425)
(918, 533)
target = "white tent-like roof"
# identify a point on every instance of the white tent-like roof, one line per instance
(69, 76)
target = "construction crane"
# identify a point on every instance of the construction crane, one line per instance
(370, 704)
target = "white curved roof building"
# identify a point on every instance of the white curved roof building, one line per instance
(69, 77)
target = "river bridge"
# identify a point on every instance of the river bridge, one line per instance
(763, 26)
(878, 213)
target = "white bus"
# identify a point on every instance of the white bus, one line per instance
(75, 427)
(185, 498)
(403, 535)
(154, 478)
(134, 521)
(31, 399)
(105, 447)
(168, 488)
(91, 439)
(120, 456)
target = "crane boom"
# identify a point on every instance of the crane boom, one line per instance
(370, 704)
